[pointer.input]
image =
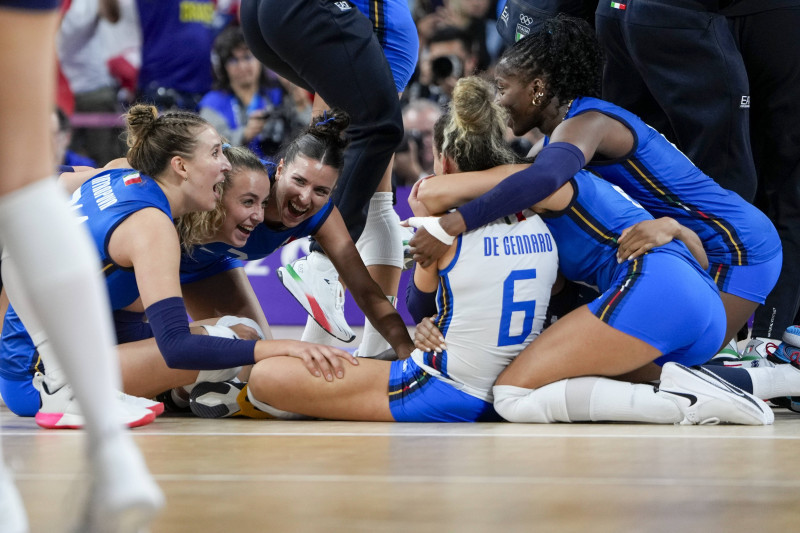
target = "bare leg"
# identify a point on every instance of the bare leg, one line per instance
(738, 311)
(558, 353)
(285, 383)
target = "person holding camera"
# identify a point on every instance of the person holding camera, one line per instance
(244, 107)
(448, 56)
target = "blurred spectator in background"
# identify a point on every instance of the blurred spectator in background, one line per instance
(62, 135)
(245, 107)
(473, 17)
(83, 53)
(414, 158)
(177, 38)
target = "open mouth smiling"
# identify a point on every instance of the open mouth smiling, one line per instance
(296, 211)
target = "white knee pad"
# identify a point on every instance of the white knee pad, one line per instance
(541, 406)
(234, 320)
(381, 243)
(277, 413)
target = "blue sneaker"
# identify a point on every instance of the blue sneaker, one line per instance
(792, 335)
(787, 353)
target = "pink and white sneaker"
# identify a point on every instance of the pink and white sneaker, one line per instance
(60, 410)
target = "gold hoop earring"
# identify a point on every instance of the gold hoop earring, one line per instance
(537, 101)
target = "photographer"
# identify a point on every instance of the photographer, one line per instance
(245, 107)
(448, 56)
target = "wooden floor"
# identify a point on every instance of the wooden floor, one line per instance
(231, 475)
(250, 476)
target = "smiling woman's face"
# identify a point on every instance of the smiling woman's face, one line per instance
(204, 170)
(516, 97)
(302, 187)
(243, 200)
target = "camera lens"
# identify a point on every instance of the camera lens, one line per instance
(445, 66)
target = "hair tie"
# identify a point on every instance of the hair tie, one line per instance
(225, 146)
(325, 119)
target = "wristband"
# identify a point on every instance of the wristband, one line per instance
(431, 224)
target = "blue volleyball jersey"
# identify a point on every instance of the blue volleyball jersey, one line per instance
(587, 232)
(209, 259)
(666, 183)
(104, 202)
(396, 31)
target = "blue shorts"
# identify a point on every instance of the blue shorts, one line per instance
(196, 270)
(416, 396)
(20, 396)
(667, 302)
(751, 282)
(31, 5)
(396, 31)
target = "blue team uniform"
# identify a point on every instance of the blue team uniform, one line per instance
(663, 297)
(396, 31)
(491, 303)
(104, 201)
(210, 259)
(742, 245)
(32, 5)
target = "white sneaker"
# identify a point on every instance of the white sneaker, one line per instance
(760, 347)
(156, 407)
(705, 398)
(314, 283)
(60, 409)
(124, 497)
(223, 399)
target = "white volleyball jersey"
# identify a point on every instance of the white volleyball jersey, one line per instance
(492, 300)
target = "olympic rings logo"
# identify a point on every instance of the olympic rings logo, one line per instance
(525, 19)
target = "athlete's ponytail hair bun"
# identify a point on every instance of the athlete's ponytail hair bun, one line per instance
(323, 140)
(474, 134)
(153, 139)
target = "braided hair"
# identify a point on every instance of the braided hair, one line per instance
(153, 139)
(565, 52)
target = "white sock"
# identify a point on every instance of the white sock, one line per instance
(620, 401)
(585, 399)
(381, 243)
(67, 293)
(372, 342)
(774, 382)
(543, 405)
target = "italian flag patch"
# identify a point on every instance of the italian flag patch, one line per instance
(617, 5)
(130, 179)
